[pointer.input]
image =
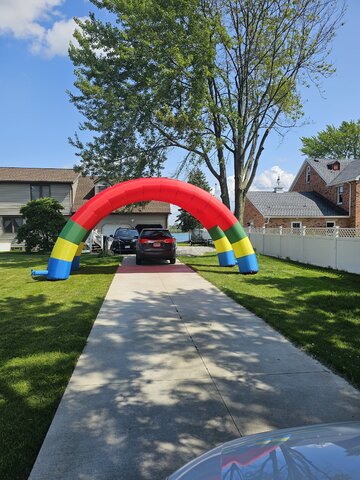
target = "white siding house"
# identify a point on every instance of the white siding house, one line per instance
(20, 185)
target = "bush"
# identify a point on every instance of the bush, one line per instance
(43, 223)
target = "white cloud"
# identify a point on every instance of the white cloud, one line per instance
(55, 40)
(21, 19)
(268, 178)
(24, 20)
(175, 210)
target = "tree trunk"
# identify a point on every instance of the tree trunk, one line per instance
(224, 191)
(242, 199)
(223, 178)
(238, 196)
(237, 185)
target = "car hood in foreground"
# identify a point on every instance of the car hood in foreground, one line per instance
(320, 452)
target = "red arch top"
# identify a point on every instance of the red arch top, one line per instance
(201, 204)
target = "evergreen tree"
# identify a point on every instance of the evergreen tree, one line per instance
(184, 220)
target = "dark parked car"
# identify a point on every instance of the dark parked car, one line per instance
(124, 240)
(155, 244)
(319, 452)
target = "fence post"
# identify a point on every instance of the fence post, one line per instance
(304, 231)
(280, 241)
(263, 238)
(336, 236)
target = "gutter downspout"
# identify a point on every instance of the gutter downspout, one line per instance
(350, 192)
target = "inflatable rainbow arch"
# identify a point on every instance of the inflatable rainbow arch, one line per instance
(230, 240)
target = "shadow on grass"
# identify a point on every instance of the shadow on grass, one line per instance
(134, 423)
(317, 313)
(94, 270)
(39, 348)
(316, 308)
(217, 270)
(155, 407)
(10, 260)
(22, 260)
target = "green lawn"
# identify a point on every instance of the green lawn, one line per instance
(43, 329)
(318, 309)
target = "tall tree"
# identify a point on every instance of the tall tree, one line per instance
(186, 221)
(342, 142)
(212, 77)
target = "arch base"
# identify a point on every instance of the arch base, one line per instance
(227, 259)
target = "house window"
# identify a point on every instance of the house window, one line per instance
(12, 224)
(330, 224)
(39, 191)
(340, 195)
(308, 174)
(296, 225)
(99, 187)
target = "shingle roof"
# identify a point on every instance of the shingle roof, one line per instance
(53, 175)
(294, 204)
(84, 187)
(85, 190)
(349, 173)
(320, 166)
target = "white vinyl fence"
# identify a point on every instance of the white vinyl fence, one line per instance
(337, 248)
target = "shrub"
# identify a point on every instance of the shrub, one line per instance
(43, 223)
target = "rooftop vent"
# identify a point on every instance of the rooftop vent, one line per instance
(278, 188)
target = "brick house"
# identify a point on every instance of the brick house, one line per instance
(324, 193)
(20, 185)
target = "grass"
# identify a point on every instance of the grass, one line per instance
(317, 309)
(43, 329)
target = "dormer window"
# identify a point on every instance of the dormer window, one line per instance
(308, 174)
(334, 166)
(99, 187)
(340, 195)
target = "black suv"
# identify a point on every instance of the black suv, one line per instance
(124, 240)
(155, 244)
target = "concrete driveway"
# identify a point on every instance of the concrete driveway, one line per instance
(173, 367)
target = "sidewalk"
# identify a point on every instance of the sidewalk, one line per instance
(172, 368)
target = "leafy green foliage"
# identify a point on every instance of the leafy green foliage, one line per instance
(184, 220)
(212, 77)
(43, 223)
(342, 142)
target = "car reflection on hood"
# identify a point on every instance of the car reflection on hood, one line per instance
(321, 452)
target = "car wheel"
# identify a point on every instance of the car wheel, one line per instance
(172, 261)
(138, 260)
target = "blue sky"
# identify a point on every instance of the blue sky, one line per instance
(37, 118)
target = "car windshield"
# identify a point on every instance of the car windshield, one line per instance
(126, 233)
(156, 234)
